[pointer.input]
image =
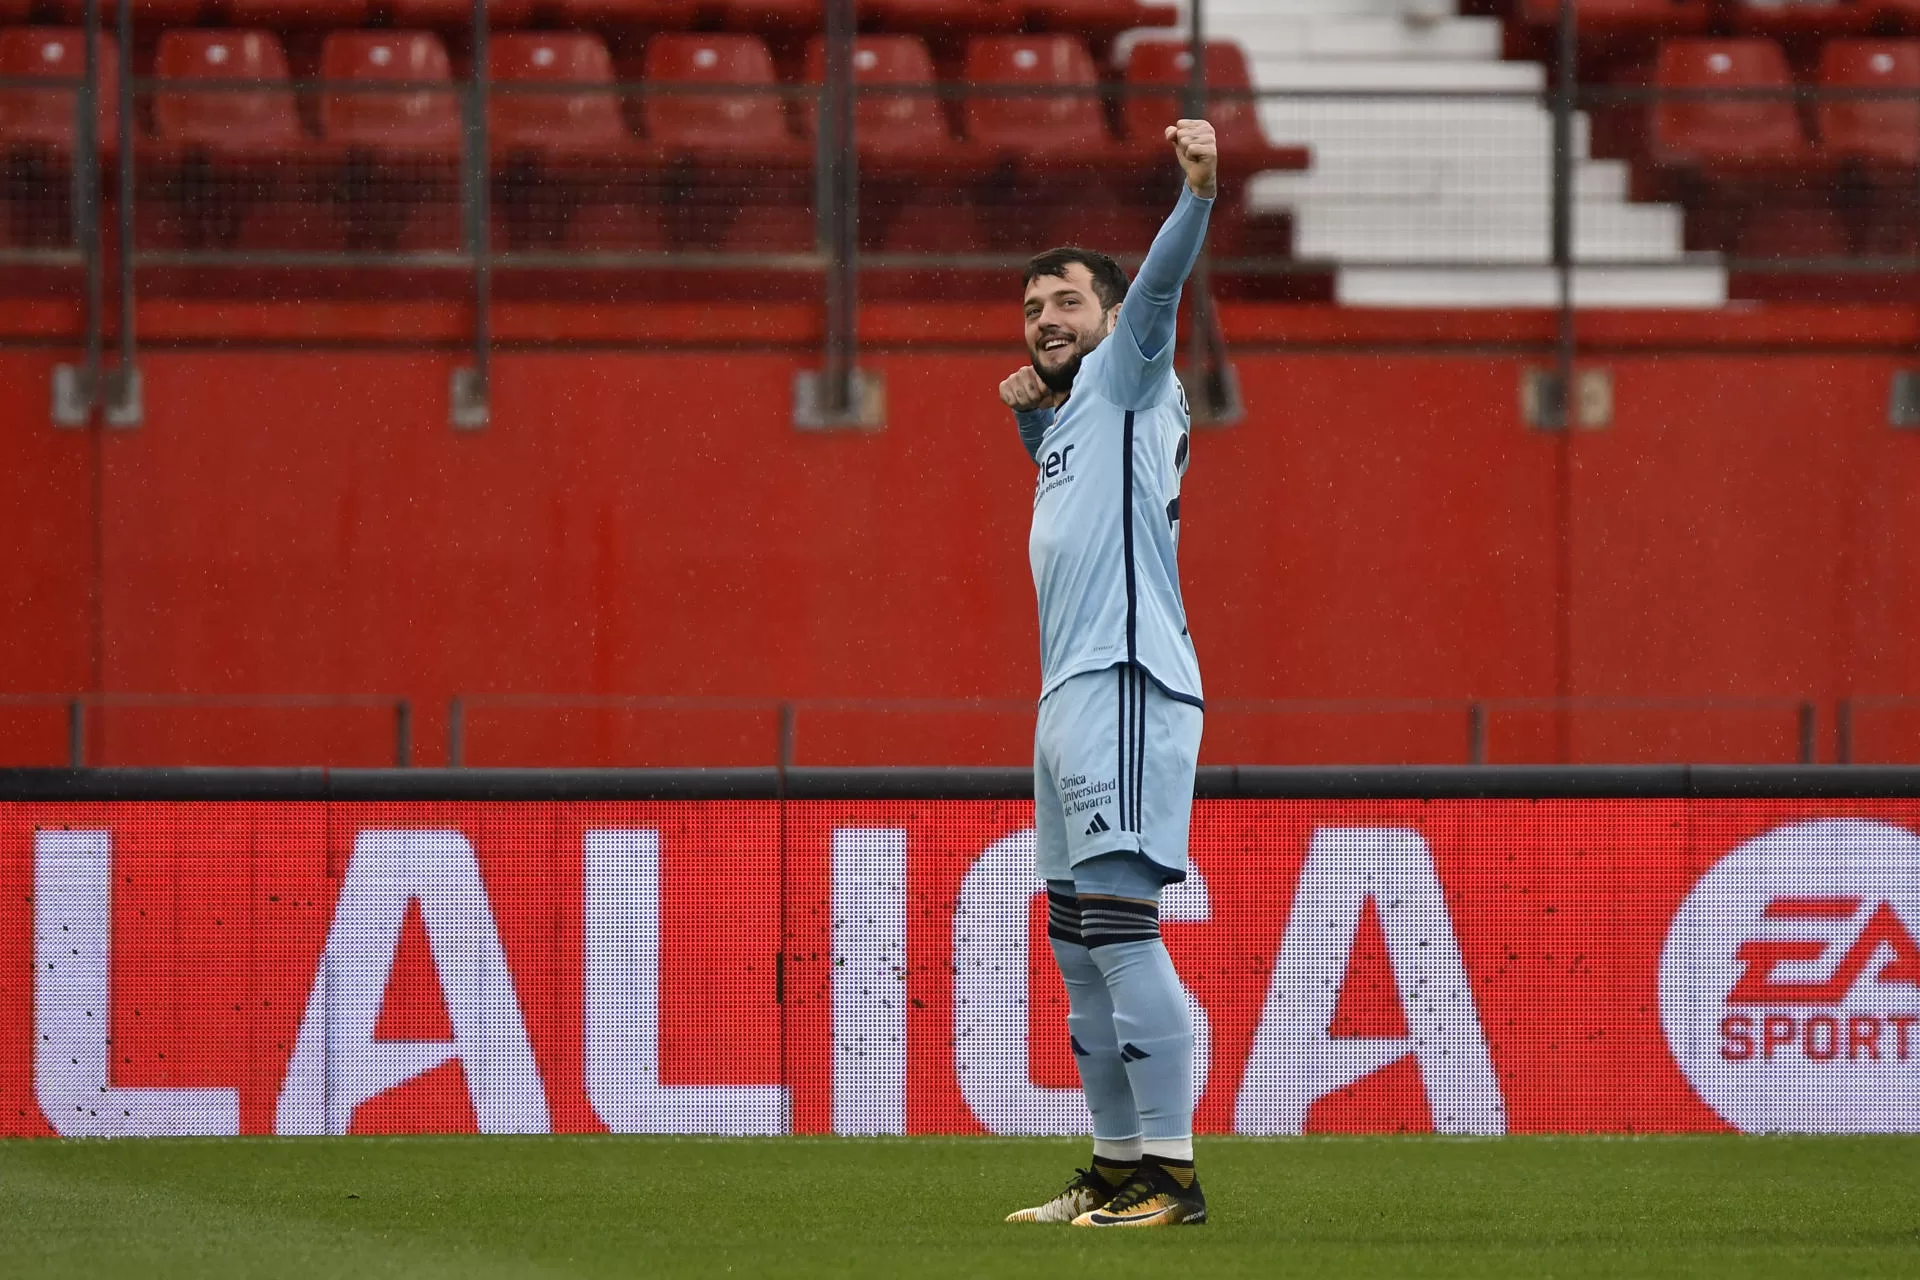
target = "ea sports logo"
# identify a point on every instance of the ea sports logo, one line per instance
(1790, 980)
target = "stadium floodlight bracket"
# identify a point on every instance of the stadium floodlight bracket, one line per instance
(116, 391)
(866, 408)
(1543, 399)
(467, 407)
(1903, 400)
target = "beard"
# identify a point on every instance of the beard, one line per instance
(1061, 379)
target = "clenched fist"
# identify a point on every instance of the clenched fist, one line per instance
(1023, 391)
(1199, 154)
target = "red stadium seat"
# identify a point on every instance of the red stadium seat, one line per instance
(942, 17)
(227, 159)
(1067, 126)
(1144, 117)
(1802, 17)
(296, 13)
(237, 123)
(1729, 133)
(619, 15)
(146, 13)
(770, 15)
(709, 126)
(447, 15)
(890, 129)
(397, 150)
(47, 117)
(1871, 131)
(415, 122)
(12, 11)
(1098, 19)
(1624, 17)
(551, 124)
(562, 146)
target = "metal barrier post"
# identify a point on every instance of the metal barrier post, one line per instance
(1809, 727)
(456, 732)
(468, 393)
(784, 749)
(1843, 731)
(76, 733)
(1476, 733)
(402, 733)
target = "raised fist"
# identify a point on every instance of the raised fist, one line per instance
(1198, 152)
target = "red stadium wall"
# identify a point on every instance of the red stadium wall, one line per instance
(1382, 525)
(1456, 966)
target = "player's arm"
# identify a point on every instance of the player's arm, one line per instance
(1154, 299)
(1032, 403)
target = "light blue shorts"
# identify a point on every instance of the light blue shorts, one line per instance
(1113, 762)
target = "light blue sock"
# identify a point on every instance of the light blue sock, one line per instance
(1120, 925)
(1096, 1047)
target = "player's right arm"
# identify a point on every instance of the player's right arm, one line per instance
(1032, 403)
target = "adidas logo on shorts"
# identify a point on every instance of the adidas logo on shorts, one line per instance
(1098, 825)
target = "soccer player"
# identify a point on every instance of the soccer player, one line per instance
(1118, 732)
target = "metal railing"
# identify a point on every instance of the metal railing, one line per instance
(556, 729)
(591, 730)
(80, 714)
(141, 200)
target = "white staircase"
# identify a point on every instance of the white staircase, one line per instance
(1437, 203)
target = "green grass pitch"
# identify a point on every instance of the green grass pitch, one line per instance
(926, 1207)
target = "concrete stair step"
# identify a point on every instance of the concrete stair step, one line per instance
(1370, 37)
(1457, 229)
(1686, 284)
(1387, 75)
(1341, 176)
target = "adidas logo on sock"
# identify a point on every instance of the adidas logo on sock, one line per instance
(1098, 825)
(1131, 1052)
(1079, 1050)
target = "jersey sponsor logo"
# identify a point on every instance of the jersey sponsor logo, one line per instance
(1054, 472)
(1790, 979)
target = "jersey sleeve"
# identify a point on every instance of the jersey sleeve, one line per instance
(1141, 348)
(1033, 424)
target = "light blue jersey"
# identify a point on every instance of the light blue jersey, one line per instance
(1106, 507)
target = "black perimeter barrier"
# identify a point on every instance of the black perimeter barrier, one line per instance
(1214, 782)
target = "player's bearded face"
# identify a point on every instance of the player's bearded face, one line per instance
(1057, 346)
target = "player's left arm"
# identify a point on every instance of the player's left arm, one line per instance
(1153, 300)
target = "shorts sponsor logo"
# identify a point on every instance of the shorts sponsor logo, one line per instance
(1077, 795)
(1790, 980)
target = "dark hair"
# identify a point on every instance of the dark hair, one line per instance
(1109, 281)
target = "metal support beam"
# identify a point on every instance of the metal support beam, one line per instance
(1556, 396)
(76, 388)
(122, 405)
(838, 394)
(1213, 392)
(468, 390)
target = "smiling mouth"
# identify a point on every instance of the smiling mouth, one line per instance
(1054, 344)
